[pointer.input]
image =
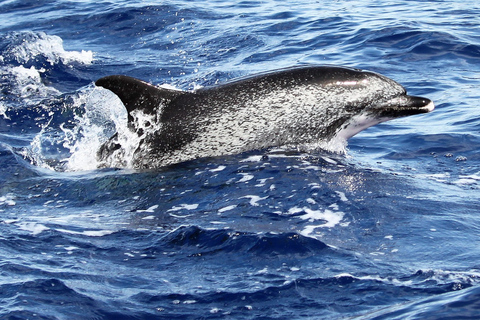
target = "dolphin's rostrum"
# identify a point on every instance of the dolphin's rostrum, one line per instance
(294, 106)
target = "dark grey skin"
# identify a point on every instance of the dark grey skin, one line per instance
(296, 106)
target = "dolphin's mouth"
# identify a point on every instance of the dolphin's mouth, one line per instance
(403, 106)
(397, 107)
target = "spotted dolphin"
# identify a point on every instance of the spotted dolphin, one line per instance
(288, 107)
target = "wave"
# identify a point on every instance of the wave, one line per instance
(411, 44)
(37, 48)
(207, 242)
(323, 297)
(33, 65)
(463, 304)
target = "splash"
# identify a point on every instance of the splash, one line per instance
(130, 141)
(71, 143)
(72, 138)
(3, 110)
(91, 131)
(26, 47)
(27, 84)
(336, 145)
(27, 59)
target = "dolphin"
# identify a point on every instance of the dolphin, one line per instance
(288, 107)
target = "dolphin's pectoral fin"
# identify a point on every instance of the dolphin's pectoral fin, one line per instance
(137, 95)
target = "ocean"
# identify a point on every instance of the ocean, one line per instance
(388, 230)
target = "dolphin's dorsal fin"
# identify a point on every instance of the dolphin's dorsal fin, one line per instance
(138, 95)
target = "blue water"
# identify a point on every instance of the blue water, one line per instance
(391, 230)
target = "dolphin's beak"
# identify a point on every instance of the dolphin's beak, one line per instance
(403, 106)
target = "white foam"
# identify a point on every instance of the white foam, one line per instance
(334, 206)
(308, 230)
(245, 177)
(10, 221)
(332, 218)
(468, 179)
(219, 168)
(215, 310)
(27, 83)
(254, 199)
(150, 209)
(252, 159)
(439, 177)
(3, 110)
(227, 208)
(8, 200)
(342, 275)
(263, 181)
(294, 210)
(89, 233)
(218, 222)
(51, 48)
(342, 196)
(465, 181)
(71, 248)
(184, 207)
(337, 144)
(33, 227)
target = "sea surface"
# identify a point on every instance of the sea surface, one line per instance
(389, 230)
